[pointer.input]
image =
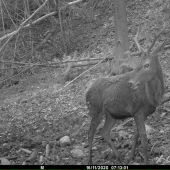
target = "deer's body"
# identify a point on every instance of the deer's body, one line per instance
(116, 94)
(133, 94)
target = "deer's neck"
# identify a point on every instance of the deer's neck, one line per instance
(155, 89)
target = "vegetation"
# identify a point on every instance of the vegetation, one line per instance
(50, 50)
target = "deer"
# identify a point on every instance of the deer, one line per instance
(136, 93)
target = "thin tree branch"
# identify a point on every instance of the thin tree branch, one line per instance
(81, 75)
(36, 21)
(167, 99)
(55, 63)
(156, 37)
(23, 23)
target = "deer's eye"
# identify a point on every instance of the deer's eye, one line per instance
(146, 65)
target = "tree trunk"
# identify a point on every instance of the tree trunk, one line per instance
(121, 32)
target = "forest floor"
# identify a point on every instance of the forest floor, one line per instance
(36, 113)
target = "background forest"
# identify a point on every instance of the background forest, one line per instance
(50, 51)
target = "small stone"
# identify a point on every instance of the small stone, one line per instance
(5, 145)
(162, 131)
(65, 141)
(149, 130)
(134, 163)
(4, 161)
(84, 143)
(94, 148)
(79, 163)
(77, 153)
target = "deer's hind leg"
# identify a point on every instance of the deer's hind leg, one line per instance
(109, 123)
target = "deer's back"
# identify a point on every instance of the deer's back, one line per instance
(123, 101)
(96, 92)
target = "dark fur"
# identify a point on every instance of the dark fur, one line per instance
(121, 98)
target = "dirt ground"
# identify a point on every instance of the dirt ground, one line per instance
(36, 113)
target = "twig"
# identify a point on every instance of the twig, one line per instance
(156, 37)
(124, 123)
(74, 2)
(40, 19)
(22, 24)
(81, 75)
(52, 64)
(166, 100)
(153, 147)
(36, 21)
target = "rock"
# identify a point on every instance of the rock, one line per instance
(149, 130)
(5, 145)
(65, 141)
(94, 148)
(4, 161)
(162, 131)
(134, 163)
(77, 153)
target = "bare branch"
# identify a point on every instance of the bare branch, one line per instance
(155, 38)
(74, 2)
(167, 99)
(81, 75)
(160, 47)
(10, 35)
(58, 64)
(36, 21)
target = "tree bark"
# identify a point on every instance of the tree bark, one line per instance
(121, 32)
